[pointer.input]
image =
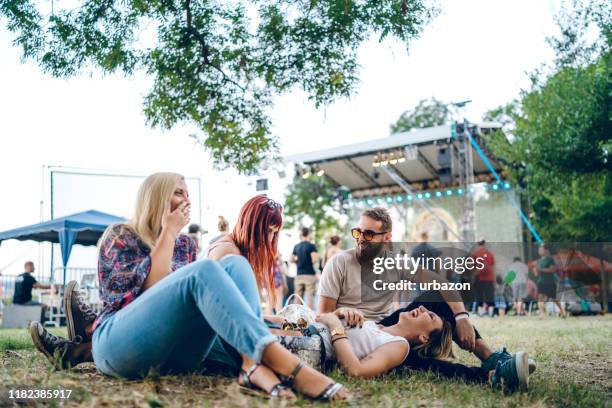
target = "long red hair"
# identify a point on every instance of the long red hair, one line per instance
(251, 235)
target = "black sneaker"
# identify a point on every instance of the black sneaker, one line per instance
(78, 314)
(60, 352)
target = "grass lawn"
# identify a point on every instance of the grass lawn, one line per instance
(574, 358)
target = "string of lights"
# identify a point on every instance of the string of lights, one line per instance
(428, 195)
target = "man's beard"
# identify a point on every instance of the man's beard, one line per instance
(367, 251)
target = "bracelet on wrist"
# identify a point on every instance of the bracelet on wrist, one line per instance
(339, 338)
(461, 316)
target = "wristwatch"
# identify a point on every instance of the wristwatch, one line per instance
(339, 331)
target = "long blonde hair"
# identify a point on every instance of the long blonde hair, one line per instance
(153, 196)
(439, 345)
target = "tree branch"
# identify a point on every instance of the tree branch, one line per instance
(205, 48)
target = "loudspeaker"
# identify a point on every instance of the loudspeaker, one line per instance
(444, 165)
(445, 176)
(444, 156)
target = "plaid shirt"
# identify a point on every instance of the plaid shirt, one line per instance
(125, 262)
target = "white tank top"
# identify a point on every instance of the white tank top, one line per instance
(365, 340)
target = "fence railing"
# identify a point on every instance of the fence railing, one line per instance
(72, 274)
(87, 278)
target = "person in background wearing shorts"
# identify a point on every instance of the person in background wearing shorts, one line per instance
(546, 272)
(305, 256)
(501, 298)
(519, 284)
(484, 279)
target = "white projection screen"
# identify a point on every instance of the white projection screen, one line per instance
(76, 190)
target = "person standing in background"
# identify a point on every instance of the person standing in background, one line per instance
(195, 232)
(546, 275)
(305, 257)
(223, 226)
(502, 295)
(484, 279)
(280, 284)
(426, 251)
(335, 246)
(519, 284)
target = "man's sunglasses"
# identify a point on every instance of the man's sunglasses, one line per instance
(368, 235)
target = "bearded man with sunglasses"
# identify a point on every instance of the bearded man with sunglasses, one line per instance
(340, 289)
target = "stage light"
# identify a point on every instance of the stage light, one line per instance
(379, 200)
(438, 194)
(383, 159)
(376, 160)
(472, 189)
(409, 198)
(320, 172)
(369, 201)
(399, 199)
(449, 192)
(306, 174)
(459, 191)
(419, 196)
(507, 186)
(427, 195)
(389, 200)
(401, 160)
(495, 187)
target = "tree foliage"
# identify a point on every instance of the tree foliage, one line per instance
(427, 113)
(314, 198)
(562, 141)
(215, 64)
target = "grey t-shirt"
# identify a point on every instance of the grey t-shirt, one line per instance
(341, 280)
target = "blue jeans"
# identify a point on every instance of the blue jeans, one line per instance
(182, 320)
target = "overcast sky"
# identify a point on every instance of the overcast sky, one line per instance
(475, 49)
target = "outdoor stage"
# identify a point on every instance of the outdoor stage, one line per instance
(431, 163)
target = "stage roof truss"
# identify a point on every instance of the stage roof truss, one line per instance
(352, 166)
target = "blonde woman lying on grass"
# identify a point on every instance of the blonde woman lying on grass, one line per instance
(370, 349)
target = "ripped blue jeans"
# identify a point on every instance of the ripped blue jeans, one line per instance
(178, 324)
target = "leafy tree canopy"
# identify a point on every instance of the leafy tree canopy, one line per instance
(215, 64)
(562, 141)
(315, 198)
(428, 113)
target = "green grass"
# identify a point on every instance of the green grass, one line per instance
(574, 358)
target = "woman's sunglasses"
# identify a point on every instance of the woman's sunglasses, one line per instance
(368, 235)
(274, 205)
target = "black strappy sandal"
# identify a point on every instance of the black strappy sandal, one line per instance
(245, 378)
(326, 395)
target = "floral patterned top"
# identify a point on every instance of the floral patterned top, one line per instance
(124, 263)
